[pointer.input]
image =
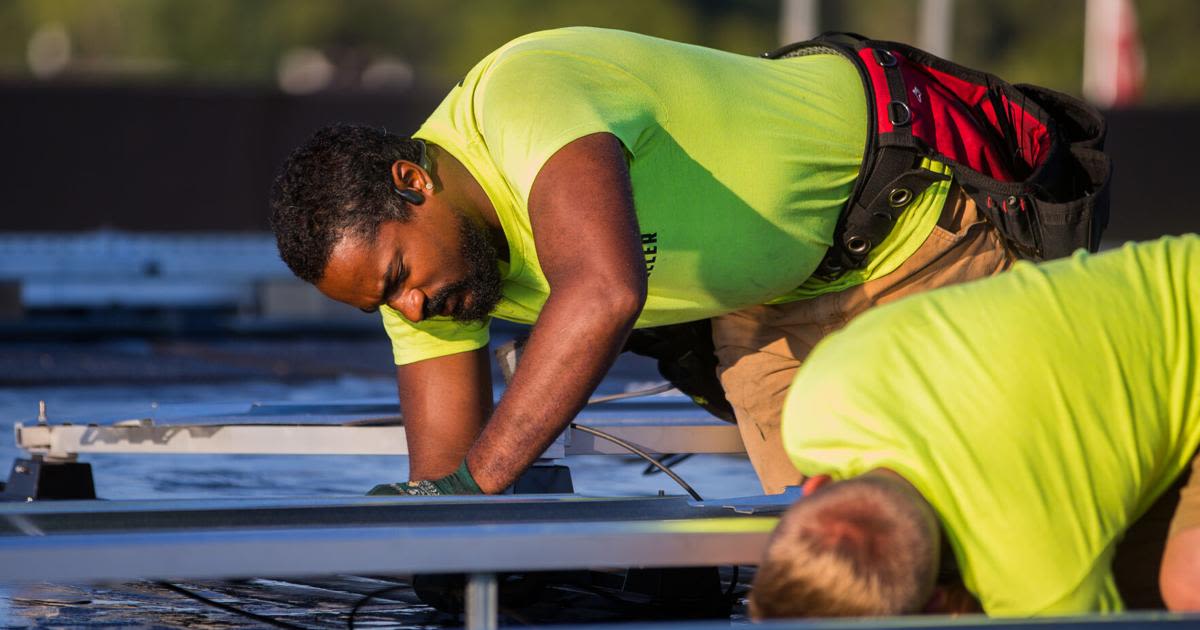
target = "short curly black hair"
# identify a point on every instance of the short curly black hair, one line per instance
(338, 182)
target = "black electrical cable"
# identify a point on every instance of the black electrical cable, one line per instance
(639, 452)
(368, 597)
(227, 608)
(670, 460)
(732, 583)
(733, 580)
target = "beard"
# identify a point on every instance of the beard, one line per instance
(478, 292)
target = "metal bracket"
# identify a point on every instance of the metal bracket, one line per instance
(38, 478)
(482, 602)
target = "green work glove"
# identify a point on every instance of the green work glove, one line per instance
(457, 482)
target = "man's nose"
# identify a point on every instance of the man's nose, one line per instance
(410, 304)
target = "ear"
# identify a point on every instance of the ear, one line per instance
(410, 176)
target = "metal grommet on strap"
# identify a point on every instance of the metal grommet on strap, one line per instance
(884, 57)
(829, 268)
(899, 113)
(857, 244)
(899, 197)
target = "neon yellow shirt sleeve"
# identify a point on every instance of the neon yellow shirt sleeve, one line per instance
(579, 99)
(432, 338)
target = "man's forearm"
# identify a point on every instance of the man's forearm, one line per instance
(444, 402)
(586, 230)
(569, 352)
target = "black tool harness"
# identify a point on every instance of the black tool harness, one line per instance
(1030, 157)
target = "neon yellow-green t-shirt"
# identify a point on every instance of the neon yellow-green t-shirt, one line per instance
(1040, 412)
(739, 165)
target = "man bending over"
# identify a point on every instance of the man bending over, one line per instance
(590, 182)
(1029, 419)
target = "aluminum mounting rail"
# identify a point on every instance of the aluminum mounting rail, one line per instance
(354, 430)
(169, 540)
(211, 538)
(144, 437)
(397, 549)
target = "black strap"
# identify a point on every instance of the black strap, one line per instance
(891, 178)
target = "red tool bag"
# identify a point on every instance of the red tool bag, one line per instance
(1030, 157)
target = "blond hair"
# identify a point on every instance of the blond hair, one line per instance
(867, 546)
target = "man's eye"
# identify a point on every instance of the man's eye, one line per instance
(394, 285)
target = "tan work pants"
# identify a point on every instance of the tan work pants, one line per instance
(760, 348)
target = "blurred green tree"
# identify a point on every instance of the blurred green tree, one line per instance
(243, 42)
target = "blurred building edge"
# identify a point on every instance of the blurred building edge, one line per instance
(104, 282)
(1114, 64)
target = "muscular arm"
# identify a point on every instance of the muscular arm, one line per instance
(444, 402)
(584, 227)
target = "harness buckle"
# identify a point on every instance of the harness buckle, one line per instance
(899, 113)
